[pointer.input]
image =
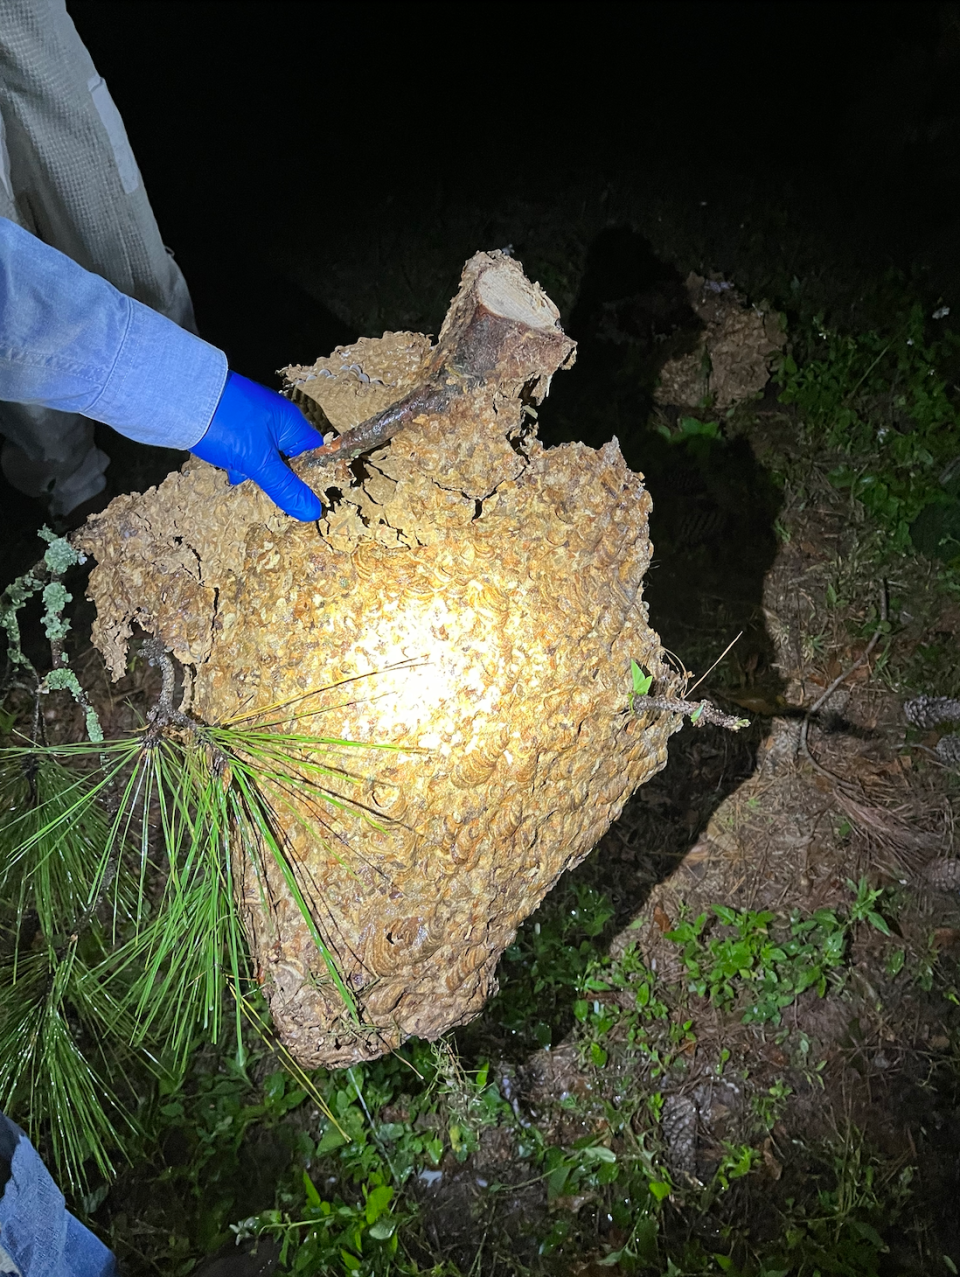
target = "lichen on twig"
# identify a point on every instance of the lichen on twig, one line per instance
(165, 713)
(699, 712)
(45, 578)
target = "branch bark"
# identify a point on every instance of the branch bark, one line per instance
(502, 323)
(699, 712)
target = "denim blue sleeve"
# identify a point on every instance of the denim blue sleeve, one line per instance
(38, 1237)
(70, 340)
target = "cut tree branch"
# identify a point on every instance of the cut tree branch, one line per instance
(502, 322)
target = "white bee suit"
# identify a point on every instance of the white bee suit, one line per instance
(69, 176)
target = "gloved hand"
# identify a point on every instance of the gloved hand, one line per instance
(251, 427)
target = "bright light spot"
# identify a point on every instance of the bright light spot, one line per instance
(431, 670)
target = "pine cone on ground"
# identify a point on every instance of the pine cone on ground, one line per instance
(930, 711)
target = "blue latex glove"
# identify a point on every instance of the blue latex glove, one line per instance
(251, 427)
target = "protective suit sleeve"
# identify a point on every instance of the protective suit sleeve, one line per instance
(70, 340)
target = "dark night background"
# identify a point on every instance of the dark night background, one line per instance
(322, 172)
(258, 126)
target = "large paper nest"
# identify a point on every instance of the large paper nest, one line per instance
(483, 594)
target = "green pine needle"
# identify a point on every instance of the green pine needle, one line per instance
(120, 932)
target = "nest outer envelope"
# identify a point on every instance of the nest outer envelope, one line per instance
(738, 341)
(484, 594)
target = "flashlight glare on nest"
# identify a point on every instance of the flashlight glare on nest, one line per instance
(435, 670)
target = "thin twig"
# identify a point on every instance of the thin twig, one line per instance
(716, 662)
(165, 713)
(700, 712)
(373, 1126)
(860, 659)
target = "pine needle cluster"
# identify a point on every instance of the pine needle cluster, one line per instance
(121, 940)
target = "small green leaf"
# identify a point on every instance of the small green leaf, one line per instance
(659, 1189)
(331, 1139)
(691, 426)
(641, 681)
(599, 1153)
(879, 922)
(378, 1199)
(313, 1197)
(869, 1233)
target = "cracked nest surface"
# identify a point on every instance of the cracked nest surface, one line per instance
(468, 595)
